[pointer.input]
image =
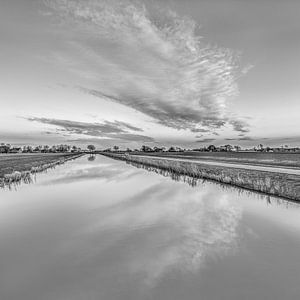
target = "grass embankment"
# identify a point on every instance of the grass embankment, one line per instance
(276, 184)
(276, 159)
(17, 167)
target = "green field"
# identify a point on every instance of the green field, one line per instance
(291, 160)
(24, 162)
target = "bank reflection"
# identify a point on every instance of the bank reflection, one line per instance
(194, 182)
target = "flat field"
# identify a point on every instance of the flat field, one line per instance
(290, 160)
(25, 161)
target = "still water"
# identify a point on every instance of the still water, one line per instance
(103, 229)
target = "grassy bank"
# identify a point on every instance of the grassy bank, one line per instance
(290, 160)
(276, 184)
(17, 167)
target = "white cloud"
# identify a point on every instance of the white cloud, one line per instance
(152, 61)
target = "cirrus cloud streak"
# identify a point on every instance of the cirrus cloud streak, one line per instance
(119, 131)
(151, 60)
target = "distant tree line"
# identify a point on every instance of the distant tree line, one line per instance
(210, 148)
(7, 148)
(62, 148)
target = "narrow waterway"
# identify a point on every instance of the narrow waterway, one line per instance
(98, 228)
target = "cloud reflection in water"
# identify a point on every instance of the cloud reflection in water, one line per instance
(171, 225)
(105, 229)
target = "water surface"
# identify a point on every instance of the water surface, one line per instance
(104, 229)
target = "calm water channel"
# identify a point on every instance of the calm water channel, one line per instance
(102, 229)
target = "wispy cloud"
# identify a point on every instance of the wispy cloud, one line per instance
(94, 129)
(205, 140)
(244, 138)
(148, 59)
(239, 125)
(113, 130)
(200, 130)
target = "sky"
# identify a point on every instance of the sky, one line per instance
(156, 72)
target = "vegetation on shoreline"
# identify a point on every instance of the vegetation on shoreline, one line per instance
(16, 168)
(276, 184)
(290, 160)
(194, 181)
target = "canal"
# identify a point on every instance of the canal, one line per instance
(98, 228)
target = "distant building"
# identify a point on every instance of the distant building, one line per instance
(293, 150)
(15, 150)
(158, 149)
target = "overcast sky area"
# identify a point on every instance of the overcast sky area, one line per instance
(157, 72)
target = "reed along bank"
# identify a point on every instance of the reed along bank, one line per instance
(19, 167)
(271, 183)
